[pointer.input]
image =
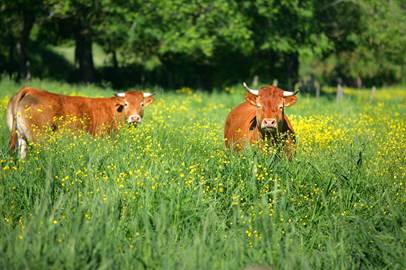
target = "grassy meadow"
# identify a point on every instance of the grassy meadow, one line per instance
(168, 195)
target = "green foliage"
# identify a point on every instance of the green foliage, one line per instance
(195, 29)
(213, 43)
(167, 195)
(368, 40)
(16, 21)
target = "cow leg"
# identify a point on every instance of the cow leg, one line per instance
(22, 147)
(22, 135)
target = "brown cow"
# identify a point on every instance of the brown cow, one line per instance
(33, 109)
(261, 118)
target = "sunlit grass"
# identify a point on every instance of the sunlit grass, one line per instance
(168, 194)
(68, 52)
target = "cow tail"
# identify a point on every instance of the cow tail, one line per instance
(13, 107)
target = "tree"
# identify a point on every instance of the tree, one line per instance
(17, 20)
(367, 37)
(206, 43)
(280, 30)
(179, 39)
(112, 32)
(75, 19)
(382, 45)
(82, 21)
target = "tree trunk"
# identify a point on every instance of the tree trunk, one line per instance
(292, 64)
(84, 56)
(114, 58)
(11, 48)
(24, 71)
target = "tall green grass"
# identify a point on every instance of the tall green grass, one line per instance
(167, 195)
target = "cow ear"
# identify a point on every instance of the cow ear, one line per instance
(289, 101)
(121, 104)
(120, 107)
(252, 99)
(148, 100)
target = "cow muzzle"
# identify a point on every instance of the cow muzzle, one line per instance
(269, 123)
(134, 119)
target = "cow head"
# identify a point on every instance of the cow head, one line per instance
(132, 104)
(270, 102)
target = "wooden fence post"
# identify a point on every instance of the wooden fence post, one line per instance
(255, 81)
(317, 87)
(275, 82)
(373, 91)
(340, 93)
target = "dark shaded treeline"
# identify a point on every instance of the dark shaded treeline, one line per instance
(206, 44)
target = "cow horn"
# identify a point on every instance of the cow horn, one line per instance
(289, 94)
(252, 91)
(121, 94)
(146, 94)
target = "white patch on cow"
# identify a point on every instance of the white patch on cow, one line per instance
(22, 147)
(23, 133)
(10, 118)
(134, 118)
(121, 94)
(22, 127)
(146, 94)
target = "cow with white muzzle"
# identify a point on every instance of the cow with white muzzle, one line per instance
(32, 111)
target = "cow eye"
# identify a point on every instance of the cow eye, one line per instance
(281, 107)
(142, 104)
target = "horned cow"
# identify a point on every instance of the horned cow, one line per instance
(261, 118)
(35, 109)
